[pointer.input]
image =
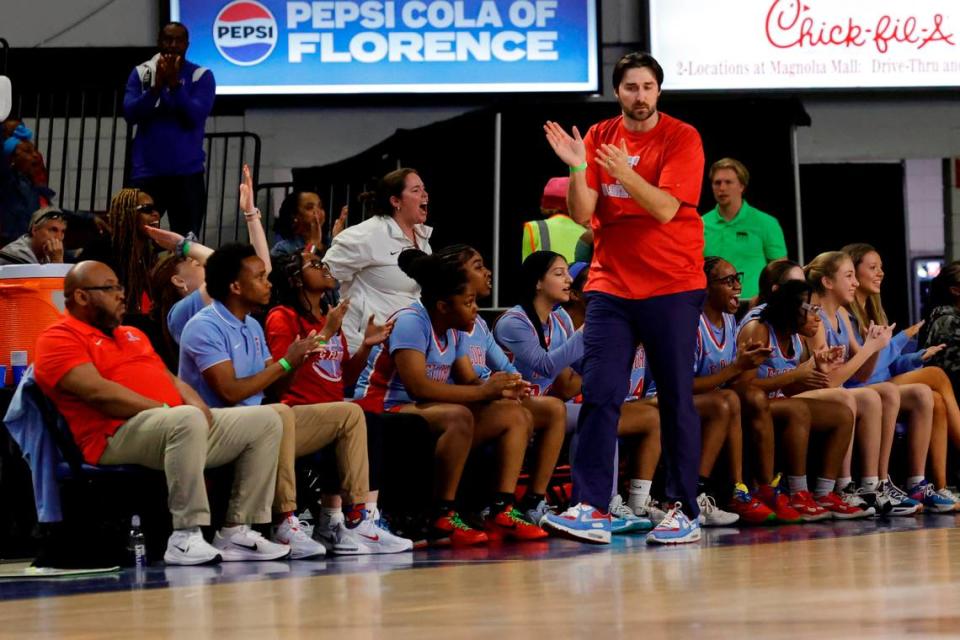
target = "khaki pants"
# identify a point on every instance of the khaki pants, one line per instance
(179, 441)
(309, 428)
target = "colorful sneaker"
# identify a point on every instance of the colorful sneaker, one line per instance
(854, 497)
(932, 501)
(623, 520)
(750, 510)
(538, 513)
(651, 510)
(291, 533)
(451, 530)
(777, 501)
(241, 543)
(675, 528)
(581, 522)
(510, 524)
(946, 494)
(841, 509)
(713, 516)
(187, 547)
(806, 507)
(900, 503)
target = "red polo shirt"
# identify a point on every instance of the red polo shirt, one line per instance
(126, 357)
(635, 256)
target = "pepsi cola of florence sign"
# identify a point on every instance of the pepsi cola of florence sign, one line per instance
(393, 46)
(806, 44)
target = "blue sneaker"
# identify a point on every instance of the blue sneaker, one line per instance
(676, 528)
(580, 522)
(900, 503)
(932, 501)
(623, 520)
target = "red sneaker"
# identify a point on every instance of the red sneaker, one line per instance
(841, 510)
(750, 510)
(777, 501)
(510, 524)
(804, 504)
(451, 530)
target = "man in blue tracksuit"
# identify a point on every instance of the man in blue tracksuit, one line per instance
(168, 99)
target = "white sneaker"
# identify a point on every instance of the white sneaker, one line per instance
(241, 543)
(331, 533)
(650, 509)
(187, 547)
(388, 542)
(713, 516)
(947, 494)
(291, 533)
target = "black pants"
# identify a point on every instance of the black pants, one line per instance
(182, 198)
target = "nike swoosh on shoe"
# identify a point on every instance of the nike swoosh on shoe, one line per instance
(371, 538)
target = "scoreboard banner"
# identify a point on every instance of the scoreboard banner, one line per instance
(394, 46)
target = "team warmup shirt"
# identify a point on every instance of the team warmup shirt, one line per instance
(125, 357)
(716, 347)
(485, 354)
(635, 256)
(837, 337)
(379, 387)
(181, 312)
(516, 334)
(215, 335)
(780, 363)
(320, 377)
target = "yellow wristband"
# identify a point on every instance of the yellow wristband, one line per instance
(578, 168)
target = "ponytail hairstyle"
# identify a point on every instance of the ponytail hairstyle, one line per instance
(940, 294)
(774, 275)
(784, 307)
(390, 185)
(532, 271)
(872, 311)
(440, 276)
(823, 266)
(286, 279)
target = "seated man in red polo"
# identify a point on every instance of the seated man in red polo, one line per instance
(124, 407)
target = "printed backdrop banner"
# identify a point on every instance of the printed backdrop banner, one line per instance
(425, 46)
(806, 44)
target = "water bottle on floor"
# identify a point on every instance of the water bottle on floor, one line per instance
(137, 544)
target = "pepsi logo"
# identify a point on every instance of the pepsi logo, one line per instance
(245, 32)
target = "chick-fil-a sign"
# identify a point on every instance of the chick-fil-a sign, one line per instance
(811, 44)
(795, 24)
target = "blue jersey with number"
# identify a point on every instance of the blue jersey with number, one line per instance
(779, 362)
(716, 346)
(485, 354)
(516, 334)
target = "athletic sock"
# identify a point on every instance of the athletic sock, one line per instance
(531, 501)
(639, 492)
(870, 483)
(913, 481)
(703, 486)
(329, 516)
(501, 501)
(823, 487)
(354, 514)
(796, 484)
(444, 507)
(280, 517)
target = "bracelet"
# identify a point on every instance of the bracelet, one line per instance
(252, 215)
(286, 365)
(578, 168)
(185, 249)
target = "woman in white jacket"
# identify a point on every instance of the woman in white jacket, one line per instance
(364, 257)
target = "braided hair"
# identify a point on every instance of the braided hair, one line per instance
(440, 276)
(134, 251)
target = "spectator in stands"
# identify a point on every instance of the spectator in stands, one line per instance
(124, 407)
(943, 323)
(558, 232)
(300, 224)
(364, 257)
(23, 187)
(43, 242)
(127, 249)
(169, 99)
(177, 280)
(300, 283)
(224, 355)
(735, 231)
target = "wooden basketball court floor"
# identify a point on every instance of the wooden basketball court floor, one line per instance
(874, 579)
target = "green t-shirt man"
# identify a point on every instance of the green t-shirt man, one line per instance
(750, 239)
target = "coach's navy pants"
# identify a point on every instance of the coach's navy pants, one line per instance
(667, 327)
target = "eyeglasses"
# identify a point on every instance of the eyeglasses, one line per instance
(729, 281)
(147, 208)
(811, 308)
(315, 264)
(112, 288)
